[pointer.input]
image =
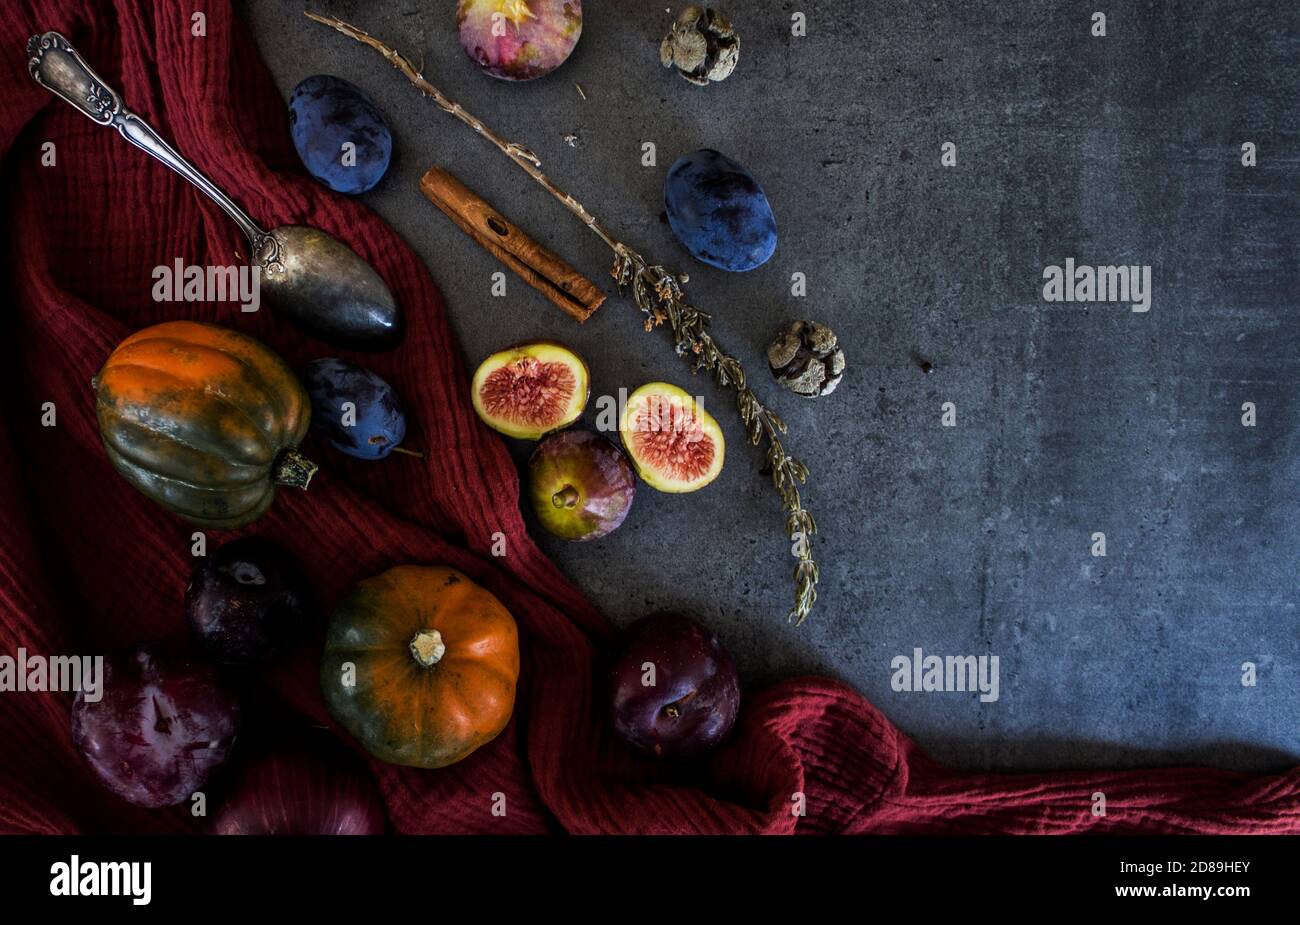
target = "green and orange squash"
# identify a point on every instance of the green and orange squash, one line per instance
(204, 420)
(420, 666)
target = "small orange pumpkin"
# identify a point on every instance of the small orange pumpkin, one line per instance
(420, 665)
(204, 420)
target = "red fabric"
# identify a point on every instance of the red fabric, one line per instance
(88, 565)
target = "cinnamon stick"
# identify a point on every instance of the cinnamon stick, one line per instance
(539, 267)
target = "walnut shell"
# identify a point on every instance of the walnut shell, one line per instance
(806, 359)
(702, 45)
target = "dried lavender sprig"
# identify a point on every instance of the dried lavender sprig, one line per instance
(659, 296)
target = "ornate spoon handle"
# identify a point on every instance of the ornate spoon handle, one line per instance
(56, 66)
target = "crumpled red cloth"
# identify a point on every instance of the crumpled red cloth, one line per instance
(88, 565)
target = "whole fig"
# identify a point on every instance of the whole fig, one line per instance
(580, 484)
(519, 39)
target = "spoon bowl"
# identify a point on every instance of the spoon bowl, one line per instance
(315, 281)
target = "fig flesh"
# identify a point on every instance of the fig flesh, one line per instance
(675, 445)
(530, 390)
(581, 485)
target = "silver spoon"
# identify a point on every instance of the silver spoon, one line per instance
(308, 277)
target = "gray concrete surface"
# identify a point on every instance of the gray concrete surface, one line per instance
(1071, 419)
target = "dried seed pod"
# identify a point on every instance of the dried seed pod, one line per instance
(806, 359)
(702, 46)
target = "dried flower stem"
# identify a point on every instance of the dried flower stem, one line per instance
(659, 296)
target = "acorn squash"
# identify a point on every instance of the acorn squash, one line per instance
(204, 420)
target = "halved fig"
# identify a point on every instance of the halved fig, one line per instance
(532, 389)
(675, 445)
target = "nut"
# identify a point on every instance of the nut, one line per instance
(806, 359)
(702, 46)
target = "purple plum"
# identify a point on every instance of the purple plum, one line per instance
(675, 691)
(357, 411)
(164, 724)
(247, 602)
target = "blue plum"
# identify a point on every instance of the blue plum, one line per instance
(357, 411)
(718, 212)
(325, 114)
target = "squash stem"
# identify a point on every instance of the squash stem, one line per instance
(293, 470)
(427, 647)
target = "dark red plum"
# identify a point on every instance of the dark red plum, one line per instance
(164, 725)
(247, 602)
(340, 135)
(581, 485)
(356, 410)
(675, 692)
(718, 212)
(305, 782)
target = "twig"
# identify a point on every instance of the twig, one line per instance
(659, 296)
